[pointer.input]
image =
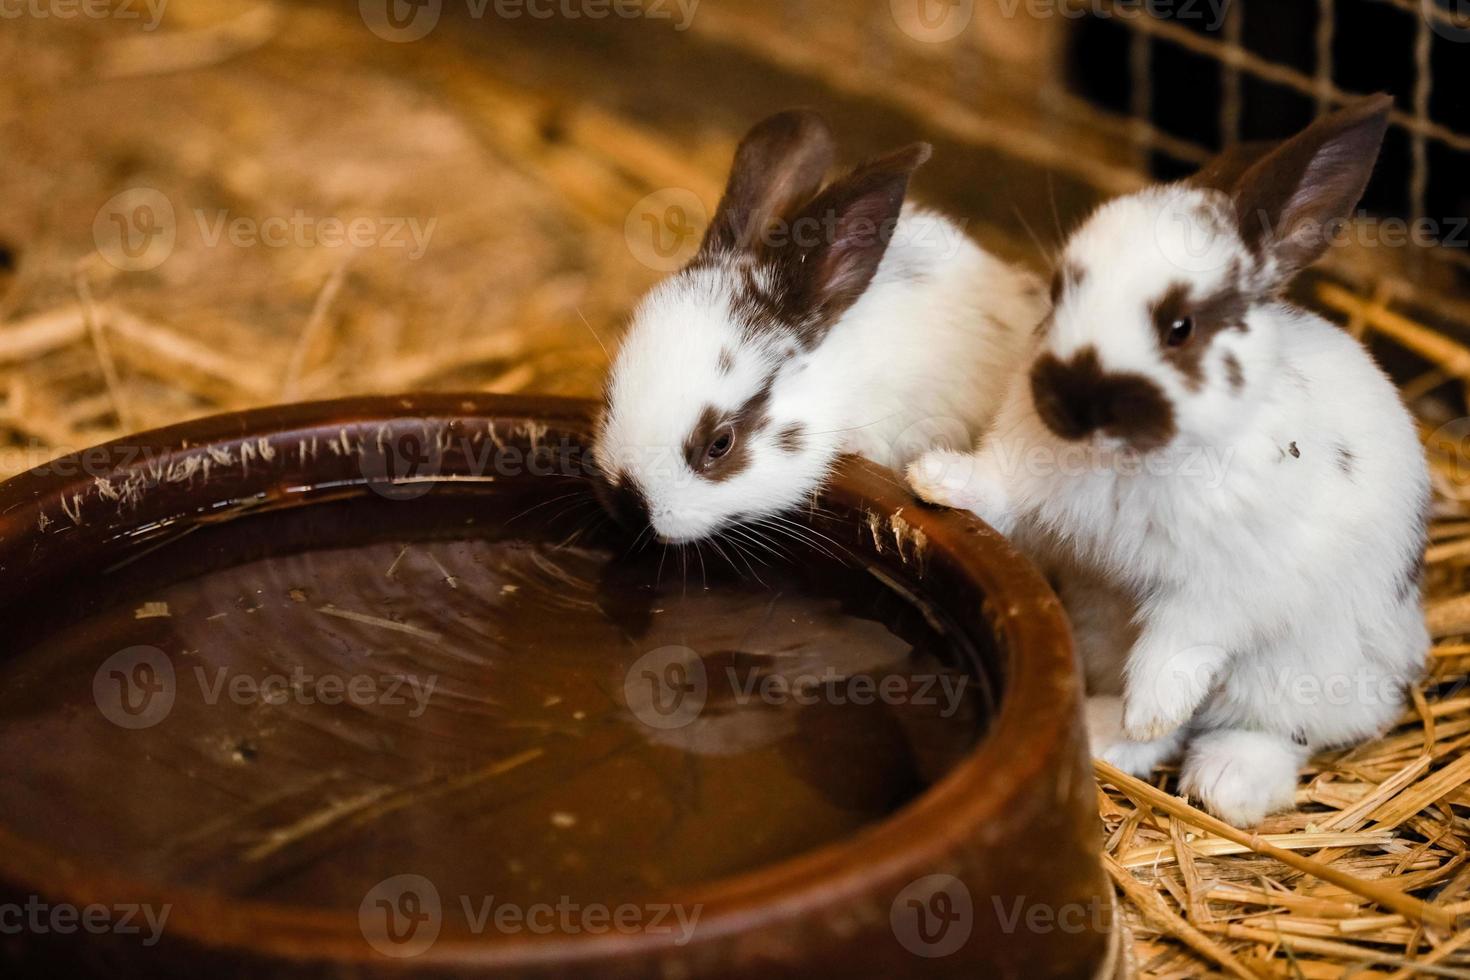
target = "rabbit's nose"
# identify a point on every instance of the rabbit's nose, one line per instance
(625, 501)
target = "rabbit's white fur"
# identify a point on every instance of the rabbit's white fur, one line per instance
(917, 360)
(1250, 587)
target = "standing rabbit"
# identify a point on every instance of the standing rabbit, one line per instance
(812, 321)
(1228, 490)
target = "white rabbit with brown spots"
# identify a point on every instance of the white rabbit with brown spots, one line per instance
(1227, 489)
(817, 318)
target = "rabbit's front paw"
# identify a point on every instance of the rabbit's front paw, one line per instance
(1156, 714)
(1140, 758)
(1104, 724)
(1166, 683)
(942, 476)
(1241, 776)
(954, 479)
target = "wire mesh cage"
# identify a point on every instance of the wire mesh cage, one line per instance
(1113, 91)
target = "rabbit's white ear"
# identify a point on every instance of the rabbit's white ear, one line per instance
(838, 240)
(778, 167)
(1289, 200)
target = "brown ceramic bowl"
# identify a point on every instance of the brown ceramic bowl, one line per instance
(288, 834)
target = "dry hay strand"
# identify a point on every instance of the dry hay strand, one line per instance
(265, 113)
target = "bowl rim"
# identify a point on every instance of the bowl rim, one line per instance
(1038, 713)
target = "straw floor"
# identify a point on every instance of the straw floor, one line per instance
(527, 269)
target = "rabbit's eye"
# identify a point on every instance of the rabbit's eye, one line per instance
(721, 445)
(1181, 330)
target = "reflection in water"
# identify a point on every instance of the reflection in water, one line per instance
(502, 717)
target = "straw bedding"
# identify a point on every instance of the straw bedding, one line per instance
(527, 265)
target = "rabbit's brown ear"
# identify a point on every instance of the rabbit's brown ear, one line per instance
(837, 241)
(1223, 172)
(778, 167)
(1289, 201)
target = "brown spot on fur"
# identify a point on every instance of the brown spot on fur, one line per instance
(1223, 309)
(762, 310)
(743, 423)
(792, 438)
(1346, 460)
(1077, 398)
(727, 361)
(1295, 452)
(1233, 373)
